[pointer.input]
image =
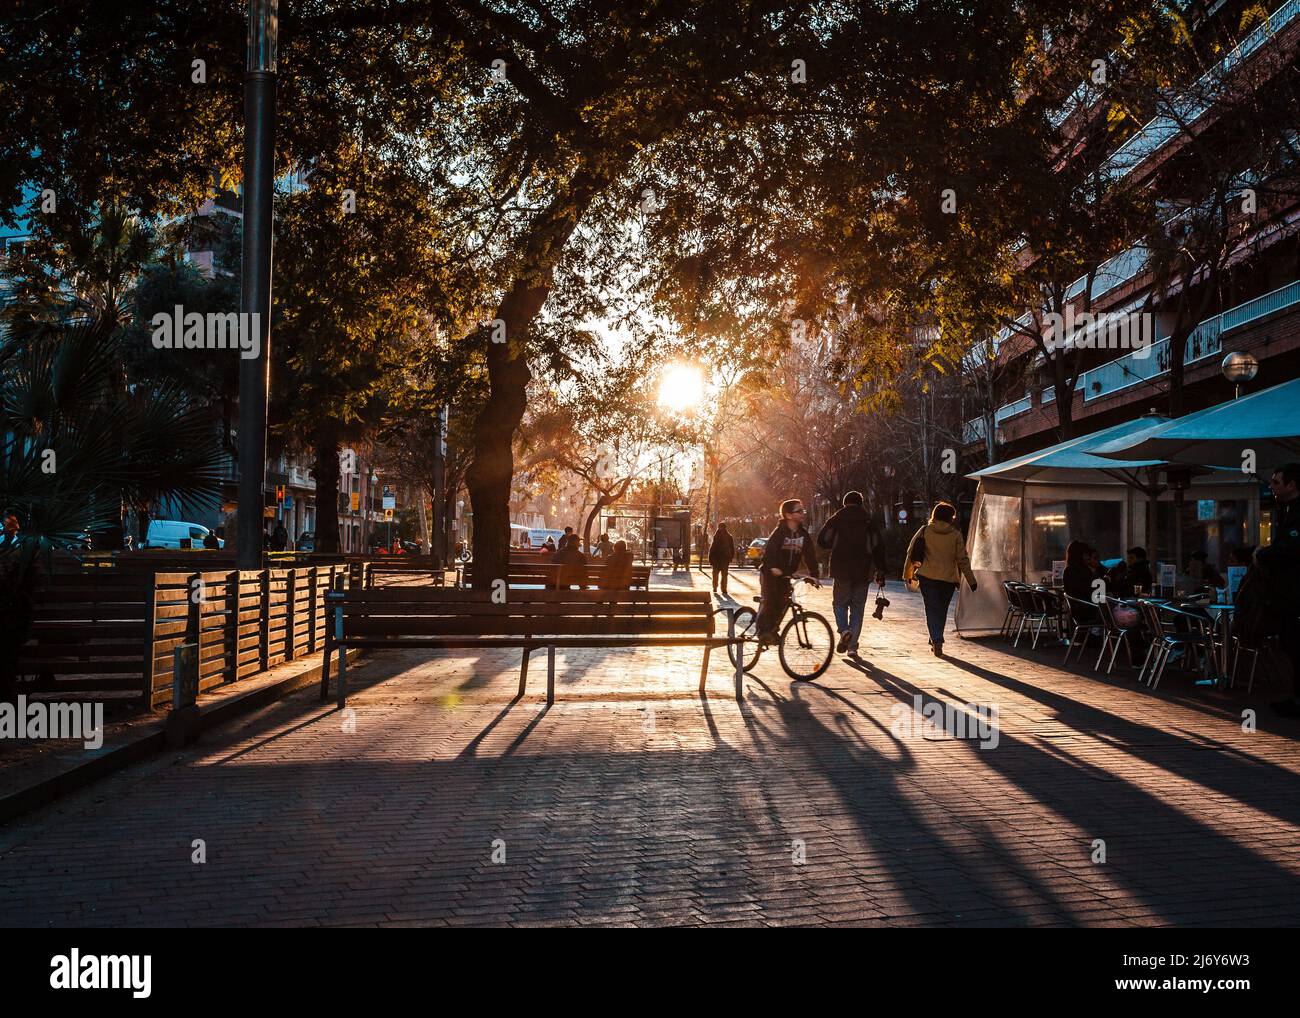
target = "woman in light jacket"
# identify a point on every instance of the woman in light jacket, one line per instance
(939, 569)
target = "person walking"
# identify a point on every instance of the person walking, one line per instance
(936, 562)
(857, 558)
(721, 552)
(280, 538)
(787, 547)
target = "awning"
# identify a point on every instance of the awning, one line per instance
(1253, 433)
(1075, 461)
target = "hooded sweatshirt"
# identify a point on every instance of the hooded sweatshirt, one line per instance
(945, 555)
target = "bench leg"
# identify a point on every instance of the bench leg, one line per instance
(523, 670)
(343, 677)
(704, 669)
(325, 670)
(550, 674)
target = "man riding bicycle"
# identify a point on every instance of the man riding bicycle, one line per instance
(788, 546)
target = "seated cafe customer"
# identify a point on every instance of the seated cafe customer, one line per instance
(1078, 581)
(1136, 576)
(1202, 573)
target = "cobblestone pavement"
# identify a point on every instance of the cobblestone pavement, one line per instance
(442, 800)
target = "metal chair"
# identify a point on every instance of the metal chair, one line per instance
(1113, 635)
(1239, 645)
(1176, 629)
(1041, 611)
(1083, 619)
(1015, 609)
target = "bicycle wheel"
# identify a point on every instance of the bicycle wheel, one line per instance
(807, 646)
(746, 627)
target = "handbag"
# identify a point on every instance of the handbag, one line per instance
(918, 548)
(826, 538)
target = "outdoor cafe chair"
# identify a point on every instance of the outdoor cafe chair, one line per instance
(1041, 611)
(1174, 630)
(1254, 650)
(1113, 635)
(1015, 606)
(1083, 620)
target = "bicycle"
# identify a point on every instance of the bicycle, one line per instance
(805, 646)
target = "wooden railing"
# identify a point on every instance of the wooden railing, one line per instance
(116, 629)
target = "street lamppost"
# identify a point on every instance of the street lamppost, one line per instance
(1239, 367)
(255, 289)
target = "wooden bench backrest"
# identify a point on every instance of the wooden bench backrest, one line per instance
(422, 611)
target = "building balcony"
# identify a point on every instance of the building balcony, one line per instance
(1160, 130)
(1205, 341)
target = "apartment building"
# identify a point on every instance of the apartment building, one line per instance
(1255, 309)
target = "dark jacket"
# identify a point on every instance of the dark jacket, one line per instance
(1286, 525)
(785, 549)
(1078, 581)
(857, 553)
(573, 566)
(723, 548)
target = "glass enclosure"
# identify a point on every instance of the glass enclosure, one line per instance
(995, 546)
(1054, 523)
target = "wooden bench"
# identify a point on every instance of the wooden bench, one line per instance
(547, 574)
(395, 618)
(365, 573)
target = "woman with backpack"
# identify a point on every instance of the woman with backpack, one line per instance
(936, 561)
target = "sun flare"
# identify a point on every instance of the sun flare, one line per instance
(681, 389)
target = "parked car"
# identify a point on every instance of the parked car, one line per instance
(176, 534)
(754, 553)
(306, 541)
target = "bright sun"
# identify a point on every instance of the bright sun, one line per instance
(681, 388)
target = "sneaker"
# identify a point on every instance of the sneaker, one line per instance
(853, 650)
(1288, 708)
(843, 645)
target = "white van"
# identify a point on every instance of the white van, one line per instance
(537, 536)
(176, 534)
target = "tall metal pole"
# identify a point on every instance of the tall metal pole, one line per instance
(255, 292)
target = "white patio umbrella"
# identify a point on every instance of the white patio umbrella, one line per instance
(1253, 433)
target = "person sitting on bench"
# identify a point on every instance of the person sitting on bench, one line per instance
(618, 568)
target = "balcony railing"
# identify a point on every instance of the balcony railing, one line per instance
(1011, 409)
(1161, 129)
(1242, 314)
(973, 431)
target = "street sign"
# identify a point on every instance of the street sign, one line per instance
(288, 500)
(388, 514)
(902, 516)
(390, 498)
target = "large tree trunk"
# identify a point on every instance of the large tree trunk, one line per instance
(326, 473)
(490, 475)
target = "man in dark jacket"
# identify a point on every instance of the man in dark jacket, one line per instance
(787, 546)
(857, 558)
(1279, 565)
(721, 552)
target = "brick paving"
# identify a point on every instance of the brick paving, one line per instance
(442, 801)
